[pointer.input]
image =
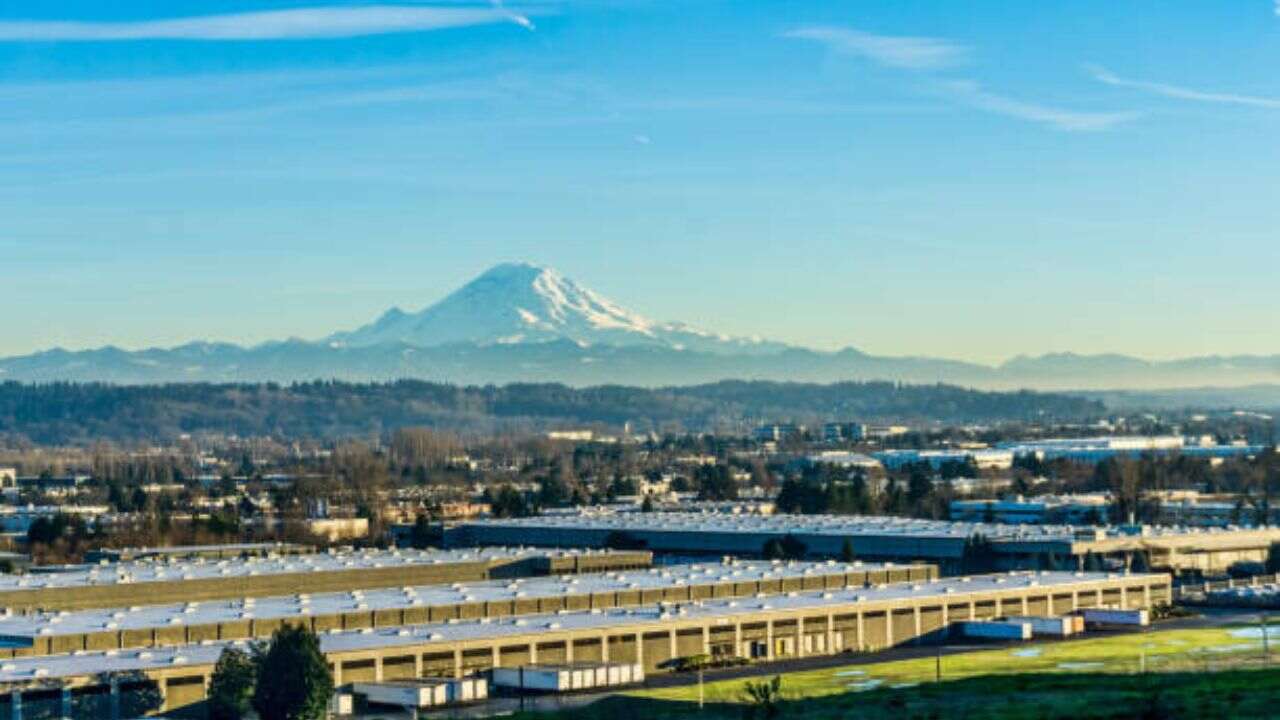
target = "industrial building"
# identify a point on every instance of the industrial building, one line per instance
(1097, 449)
(764, 627)
(190, 552)
(982, 458)
(1176, 549)
(257, 617)
(201, 579)
(1044, 509)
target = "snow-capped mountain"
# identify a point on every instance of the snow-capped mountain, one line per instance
(524, 323)
(517, 303)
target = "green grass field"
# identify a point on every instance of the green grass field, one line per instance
(1157, 674)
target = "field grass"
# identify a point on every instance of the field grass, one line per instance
(1155, 652)
(1228, 695)
(1157, 674)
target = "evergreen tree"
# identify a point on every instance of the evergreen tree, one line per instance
(231, 687)
(846, 552)
(294, 682)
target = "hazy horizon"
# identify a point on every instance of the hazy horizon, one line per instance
(974, 181)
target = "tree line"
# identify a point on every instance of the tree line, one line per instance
(84, 413)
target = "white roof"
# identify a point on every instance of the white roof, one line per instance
(172, 570)
(303, 605)
(779, 524)
(954, 589)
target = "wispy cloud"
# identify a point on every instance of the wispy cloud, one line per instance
(908, 53)
(933, 56)
(1182, 93)
(293, 24)
(972, 94)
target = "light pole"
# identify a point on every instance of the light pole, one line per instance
(1266, 645)
(700, 694)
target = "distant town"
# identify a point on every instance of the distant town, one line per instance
(1153, 506)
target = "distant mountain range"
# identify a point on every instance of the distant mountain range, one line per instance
(524, 323)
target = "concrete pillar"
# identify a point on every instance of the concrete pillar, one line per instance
(737, 638)
(377, 669)
(673, 649)
(1146, 595)
(1100, 596)
(113, 698)
(1025, 609)
(800, 637)
(888, 627)
(1124, 597)
(457, 663)
(915, 611)
(568, 650)
(768, 640)
(706, 640)
(337, 673)
(497, 656)
(1075, 600)
(533, 653)
(862, 637)
(831, 634)
(604, 648)
(640, 649)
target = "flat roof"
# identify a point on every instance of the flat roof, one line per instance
(486, 629)
(212, 547)
(837, 525)
(332, 603)
(172, 570)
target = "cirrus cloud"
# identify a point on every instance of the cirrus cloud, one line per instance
(974, 95)
(1178, 92)
(897, 51)
(293, 24)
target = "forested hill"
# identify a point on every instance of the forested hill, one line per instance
(67, 413)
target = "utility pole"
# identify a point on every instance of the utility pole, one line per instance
(1266, 645)
(700, 694)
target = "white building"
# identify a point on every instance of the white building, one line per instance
(843, 459)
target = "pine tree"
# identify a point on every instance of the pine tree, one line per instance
(294, 681)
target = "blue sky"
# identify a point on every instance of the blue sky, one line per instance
(968, 179)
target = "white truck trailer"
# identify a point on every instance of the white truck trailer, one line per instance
(425, 693)
(1051, 626)
(567, 678)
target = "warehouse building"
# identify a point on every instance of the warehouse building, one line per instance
(766, 628)
(123, 584)
(246, 618)
(190, 552)
(1055, 547)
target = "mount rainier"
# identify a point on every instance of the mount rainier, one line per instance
(519, 322)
